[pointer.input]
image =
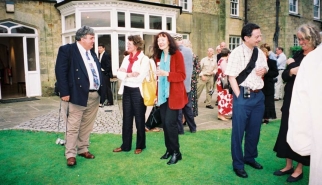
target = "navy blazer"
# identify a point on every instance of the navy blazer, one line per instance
(72, 77)
(107, 64)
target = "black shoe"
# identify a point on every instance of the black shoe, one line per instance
(166, 155)
(209, 107)
(193, 131)
(241, 173)
(280, 173)
(175, 158)
(255, 165)
(211, 92)
(181, 133)
(294, 179)
(266, 121)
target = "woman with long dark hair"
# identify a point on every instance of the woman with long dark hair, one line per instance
(171, 92)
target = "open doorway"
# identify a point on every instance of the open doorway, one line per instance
(12, 71)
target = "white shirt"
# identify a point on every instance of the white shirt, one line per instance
(142, 66)
(281, 61)
(88, 68)
(237, 62)
(305, 127)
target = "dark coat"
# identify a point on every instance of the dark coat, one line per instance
(107, 65)
(71, 74)
(269, 82)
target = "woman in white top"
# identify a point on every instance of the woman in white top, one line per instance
(133, 70)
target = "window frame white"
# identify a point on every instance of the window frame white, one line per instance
(295, 5)
(318, 9)
(188, 3)
(235, 44)
(295, 41)
(236, 8)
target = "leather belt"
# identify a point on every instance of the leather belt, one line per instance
(92, 90)
(255, 91)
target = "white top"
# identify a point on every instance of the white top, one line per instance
(281, 61)
(88, 68)
(142, 66)
(305, 127)
(237, 62)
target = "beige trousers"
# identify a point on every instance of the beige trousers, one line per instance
(209, 84)
(80, 123)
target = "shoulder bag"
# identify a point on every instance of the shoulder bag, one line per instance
(149, 89)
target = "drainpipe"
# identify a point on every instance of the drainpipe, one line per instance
(277, 28)
(246, 9)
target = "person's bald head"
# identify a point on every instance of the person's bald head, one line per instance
(222, 45)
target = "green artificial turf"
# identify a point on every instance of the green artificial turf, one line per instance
(28, 157)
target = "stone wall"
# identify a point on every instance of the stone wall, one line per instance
(46, 19)
(263, 13)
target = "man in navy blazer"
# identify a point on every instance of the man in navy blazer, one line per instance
(106, 64)
(80, 83)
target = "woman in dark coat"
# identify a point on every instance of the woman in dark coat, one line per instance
(309, 39)
(268, 88)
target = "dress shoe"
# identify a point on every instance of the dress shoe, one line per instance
(166, 155)
(118, 149)
(109, 104)
(255, 165)
(222, 118)
(240, 173)
(71, 161)
(209, 107)
(275, 99)
(193, 131)
(137, 151)
(280, 173)
(87, 155)
(294, 179)
(181, 133)
(175, 158)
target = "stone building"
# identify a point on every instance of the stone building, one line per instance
(32, 31)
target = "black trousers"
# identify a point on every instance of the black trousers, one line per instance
(189, 116)
(133, 107)
(108, 93)
(170, 127)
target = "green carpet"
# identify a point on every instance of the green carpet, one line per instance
(28, 157)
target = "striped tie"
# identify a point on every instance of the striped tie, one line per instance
(95, 77)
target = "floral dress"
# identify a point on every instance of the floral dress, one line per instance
(225, 100)
(194, 82)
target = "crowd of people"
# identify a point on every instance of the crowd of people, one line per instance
(248, 80)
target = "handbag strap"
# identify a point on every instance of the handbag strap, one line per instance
(250, 66)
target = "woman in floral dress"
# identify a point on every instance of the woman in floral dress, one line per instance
(225, 100)
(194, 81)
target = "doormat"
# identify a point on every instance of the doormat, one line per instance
(18, 100)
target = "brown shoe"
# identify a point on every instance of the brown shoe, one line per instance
(117, 150)
(71, 161)
(87, 155)
(138, 151)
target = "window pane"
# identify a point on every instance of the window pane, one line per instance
(169, 23)
(121, 40)
(106, 41)
(31, 54)
(155, 22)
(96, 19)
(22, 29)
(3, 30)
(121, 19)
(137, 20)
(70, 22)
(67, 40)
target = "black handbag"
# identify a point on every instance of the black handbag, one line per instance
(154, 119)
(225, 82)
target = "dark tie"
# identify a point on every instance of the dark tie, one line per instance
(95, 77)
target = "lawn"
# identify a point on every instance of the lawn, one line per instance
(28, 157)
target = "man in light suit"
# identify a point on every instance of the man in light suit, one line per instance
(79, 82)
(106, 64)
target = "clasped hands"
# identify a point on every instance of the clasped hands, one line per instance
(133, 74)
(161, 72)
